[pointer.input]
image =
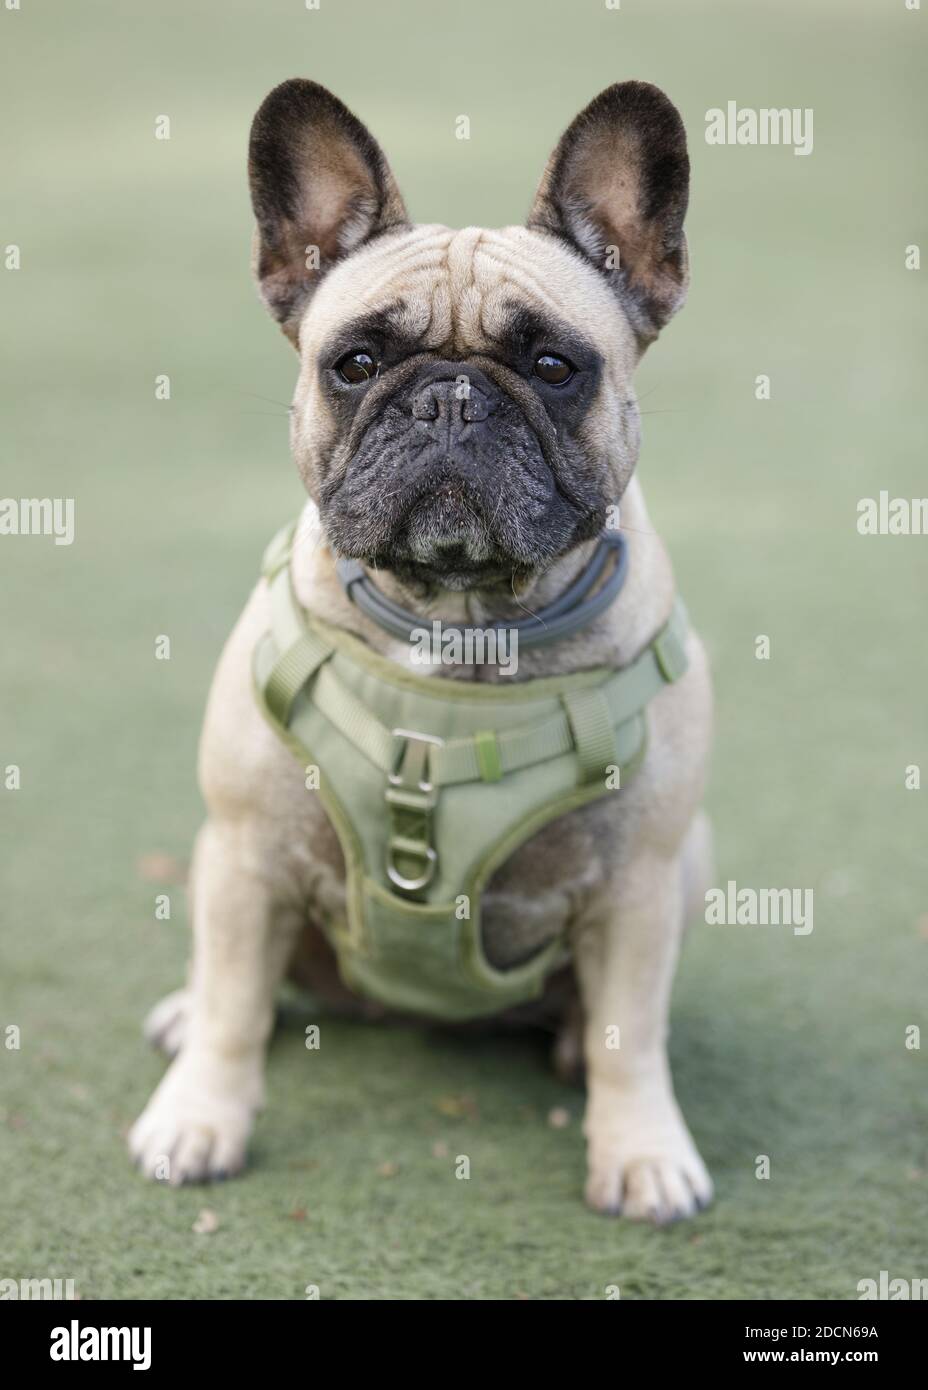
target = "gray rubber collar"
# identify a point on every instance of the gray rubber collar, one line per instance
(575, 607)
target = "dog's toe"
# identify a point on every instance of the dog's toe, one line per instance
(193, 1128)
(663, 1190)
(643, 1164)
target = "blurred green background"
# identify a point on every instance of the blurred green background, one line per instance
(135, 263)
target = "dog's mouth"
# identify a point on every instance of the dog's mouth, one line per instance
(453, 572)
(436, 533)
(442, 537)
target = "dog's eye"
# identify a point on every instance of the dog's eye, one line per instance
(556, 371)
(356, 367)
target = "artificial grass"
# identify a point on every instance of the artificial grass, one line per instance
(134, 264)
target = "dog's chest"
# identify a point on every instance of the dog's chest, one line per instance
(530, 900)
(546, 884)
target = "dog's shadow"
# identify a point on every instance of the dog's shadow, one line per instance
(735, 1101)
(480, 1048)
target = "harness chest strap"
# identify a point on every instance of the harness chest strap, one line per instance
(416, 765)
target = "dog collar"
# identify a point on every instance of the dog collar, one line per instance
(575, 607)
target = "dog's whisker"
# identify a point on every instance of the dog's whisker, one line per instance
(524, 606)
(270, 399)
(268, 414)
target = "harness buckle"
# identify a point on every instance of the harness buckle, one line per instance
(411, 798)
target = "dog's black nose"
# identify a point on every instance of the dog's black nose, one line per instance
(453, 402)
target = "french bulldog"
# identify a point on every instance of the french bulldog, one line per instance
(478, 511)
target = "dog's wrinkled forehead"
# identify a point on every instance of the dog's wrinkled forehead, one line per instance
(458, 294)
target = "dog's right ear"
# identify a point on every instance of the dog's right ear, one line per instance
(320, 188)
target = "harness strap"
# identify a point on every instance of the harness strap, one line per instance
(586, 723)
(302, 650)
(292, 670)
(592, 729)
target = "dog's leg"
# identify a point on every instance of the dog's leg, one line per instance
(641, 1158)
(167, 1024)
(567, 1053)
(696, 867)
(197, 1124)
(697, 861)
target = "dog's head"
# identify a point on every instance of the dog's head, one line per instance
(464, 413)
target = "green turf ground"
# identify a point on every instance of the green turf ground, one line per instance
(135, 263)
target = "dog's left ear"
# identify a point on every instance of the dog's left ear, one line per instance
(616, 188)
(320, 187)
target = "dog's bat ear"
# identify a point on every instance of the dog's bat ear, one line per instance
(320, 188)
(616, 188)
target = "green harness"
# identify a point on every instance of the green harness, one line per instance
(431, 784)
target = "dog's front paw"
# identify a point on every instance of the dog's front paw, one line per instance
(197, 1124)
(641, 1159)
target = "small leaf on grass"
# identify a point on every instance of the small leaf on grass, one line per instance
(158, 867)
(206, 1223)
(457, 1107)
